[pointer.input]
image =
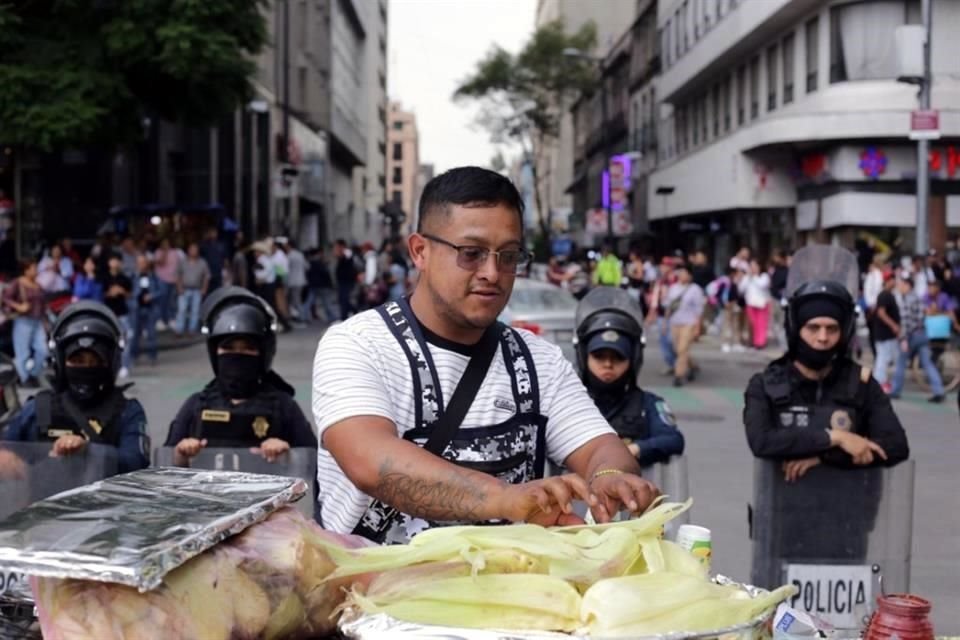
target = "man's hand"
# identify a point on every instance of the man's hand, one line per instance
(11, 466)
(546, 502)
(860, 449)
(67, 445)
(621, 491)
(271, 448)
(793, 470)
(189, 447)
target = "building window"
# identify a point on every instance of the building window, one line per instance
(679, 122)
(703, 117)
(696, 20)
(677, 36)
(397, 175)
(754, 88)
(813, 53)
(706, 16)
(788, 69)
(726, 104)
(665, 45)
(772, 78)
(838, 67)
(719, 10)
(397, 197)
(398, 125)
(695, 122)
(686, 25)
(716, 111)
(860, 39)
(397, 151)
(741, 96)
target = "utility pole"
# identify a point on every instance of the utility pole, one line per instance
(923, 145)
(286, 104)
(605, 145)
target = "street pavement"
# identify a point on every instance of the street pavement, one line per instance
(720, 464)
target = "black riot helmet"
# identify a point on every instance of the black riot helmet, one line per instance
(234, 312)
(91, 326)
(820, 298)
(607, 309)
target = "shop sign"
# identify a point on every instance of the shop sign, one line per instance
(873, 163)
(947, 160)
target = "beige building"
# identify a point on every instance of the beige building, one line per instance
(403, 162)
(555, 160)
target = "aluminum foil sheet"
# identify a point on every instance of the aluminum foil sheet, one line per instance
(359, 626)
(134, 528)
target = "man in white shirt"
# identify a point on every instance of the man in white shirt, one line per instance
(384, 378)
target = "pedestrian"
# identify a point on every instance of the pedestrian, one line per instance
(610, 357)
(886, 329)
(756, 295)
(70, 253)
(346, 276)
(64, 265)
(914, 341)
(193, 282)
(85, 406)
(296, 282)
(281, 266)
(215, 256)
(128, 256)
(815, 405)
(146, 308)
(239, 265)
(658, 313)
(872, 286)
(24, 299)
(320, 287)
(247, 404)
(609, 271)
(685, 304)
(117, 289)
(49, 278)
(166, 264)
(380, 380)
(87, 285)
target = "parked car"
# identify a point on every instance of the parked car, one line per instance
(545, 310)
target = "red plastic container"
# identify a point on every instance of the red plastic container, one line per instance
(903, 616)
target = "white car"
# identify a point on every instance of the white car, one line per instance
(545, 310)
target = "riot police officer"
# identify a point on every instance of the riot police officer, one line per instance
(85, 405)
(610, 355)
(247, 404)
(815, 405)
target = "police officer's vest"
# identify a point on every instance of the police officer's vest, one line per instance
(513, 451)
(629, 417)
(247, 424)
(838, 408)
(58, 415)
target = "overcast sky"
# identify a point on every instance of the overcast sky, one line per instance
(433, 44)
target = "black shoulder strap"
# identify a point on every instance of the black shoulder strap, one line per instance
(452, 417)
(79, 419)
(43, 402)
(776, 383)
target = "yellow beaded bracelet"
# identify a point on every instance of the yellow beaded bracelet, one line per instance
(605, 472)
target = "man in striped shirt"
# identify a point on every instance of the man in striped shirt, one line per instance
(382, 378)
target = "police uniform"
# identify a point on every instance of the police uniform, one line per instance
(266, 407)
(639, 417)
(789, 416)
(84, 400)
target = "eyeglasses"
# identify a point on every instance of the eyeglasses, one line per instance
(472, 258)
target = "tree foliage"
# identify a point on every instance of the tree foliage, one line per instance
(76, 72)
(523, 96)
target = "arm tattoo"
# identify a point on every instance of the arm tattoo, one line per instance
(453, 495)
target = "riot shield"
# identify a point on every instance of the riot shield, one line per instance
(834, 535)
(299, 462)
(823, 262)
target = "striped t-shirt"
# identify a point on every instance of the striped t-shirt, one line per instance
(361, 370)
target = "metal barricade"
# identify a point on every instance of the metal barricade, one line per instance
(839, 535)
(299, 462)
(39, 476)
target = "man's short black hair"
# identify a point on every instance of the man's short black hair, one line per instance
(467, 186)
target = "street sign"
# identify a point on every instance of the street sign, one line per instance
(596, 221)
(840, 594)
(925, 124)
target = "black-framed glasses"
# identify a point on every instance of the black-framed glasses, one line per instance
(471, 258)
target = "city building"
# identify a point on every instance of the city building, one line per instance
(782, 122)
(403, 163)
(555, 169)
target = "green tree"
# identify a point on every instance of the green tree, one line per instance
(523, 96)
(77, 72)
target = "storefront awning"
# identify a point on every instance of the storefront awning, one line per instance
(855, 209)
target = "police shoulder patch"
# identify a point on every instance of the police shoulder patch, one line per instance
(665, 413)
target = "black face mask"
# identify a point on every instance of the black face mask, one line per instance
(239, 375)
(816, 359)
(89, 385)
(606, 395)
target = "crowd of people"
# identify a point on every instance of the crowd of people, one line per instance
(158, 285)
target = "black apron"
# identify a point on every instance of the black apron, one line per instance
(58, 415)
(513, 451)
(247, 424)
